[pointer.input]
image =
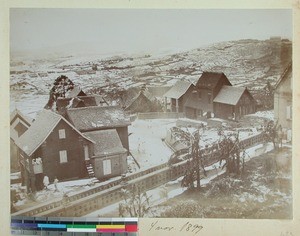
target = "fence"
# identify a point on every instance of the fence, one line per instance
(159, 115)
(100, 196)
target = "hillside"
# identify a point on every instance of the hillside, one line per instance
(248, 63)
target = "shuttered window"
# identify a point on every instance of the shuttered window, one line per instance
(62, 133)
(63, 158)
(289, 112)
(107, 167)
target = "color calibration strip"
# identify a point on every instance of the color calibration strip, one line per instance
(72, 226)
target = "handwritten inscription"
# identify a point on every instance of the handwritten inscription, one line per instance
(186, 227)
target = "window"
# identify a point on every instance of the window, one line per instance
(63, 158)
(86, 152)
(62, 133)
(107, 167)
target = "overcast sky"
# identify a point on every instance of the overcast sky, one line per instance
(141, 30)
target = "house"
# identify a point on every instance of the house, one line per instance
(233, 103)
(283, 97)
(177, 96)
(141, 100)
(75, 92)
(19, 124)
(207, 88)
(62, 104)
(214, 96)
(109, 157)
(94, 118)
(52, 147)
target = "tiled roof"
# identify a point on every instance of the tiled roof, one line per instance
(40, 129)
(178, 89)
(209, 79)
(107, 142)
(92, 118)
(229, 95)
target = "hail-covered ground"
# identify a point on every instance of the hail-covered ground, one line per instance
(147, 147)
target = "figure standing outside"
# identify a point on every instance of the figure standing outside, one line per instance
(46, 182)
(55, 184)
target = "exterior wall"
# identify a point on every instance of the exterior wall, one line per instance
(282, 102)
(73, 144)
(118, 165)
(123, 134)
(181, 101)
(205, 99)
(75, 166)
(14, 153)
(219, 85)
(246, 105)
(224, 111)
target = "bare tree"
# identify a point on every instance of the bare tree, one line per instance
(194, 163)
(231, 153)
(136, 203)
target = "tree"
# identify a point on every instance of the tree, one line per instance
(194, 164)
(271, 133)
(231, 152)
(61, 86)
(136, 203)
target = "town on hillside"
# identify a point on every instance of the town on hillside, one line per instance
(149, 145)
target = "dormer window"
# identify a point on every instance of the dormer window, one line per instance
(62, 134)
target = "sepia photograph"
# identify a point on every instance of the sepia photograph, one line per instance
(151, 113)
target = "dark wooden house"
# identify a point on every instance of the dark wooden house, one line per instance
(52, 147)
(75, 92)
(19, 124)
(62, 104)
(200, 101)
(94, 118)
(177, 96)
(109, 157)
(233, 103)
(142, 100)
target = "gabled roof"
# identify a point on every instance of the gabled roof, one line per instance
(210, 79)
(286, 74)
(40, 129)
(178, 89)
(75, 92)
(16, 113)
(23, 121)
(87, 101)
(92, 118)
(107, 142)
(229, 95)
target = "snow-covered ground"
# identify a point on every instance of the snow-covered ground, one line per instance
(146, 141)
(173, 188)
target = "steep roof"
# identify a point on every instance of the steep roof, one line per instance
(229, 95)
(87, 101)
(16, 113)
(210, 79)
(179, 89)
(91, 118)
(106, 142)
(40, 129)
(76, 91)
(286, 74)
